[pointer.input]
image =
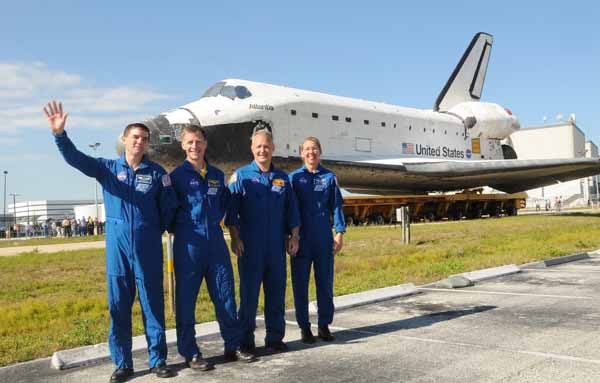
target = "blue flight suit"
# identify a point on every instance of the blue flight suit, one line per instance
(201, 253)
(265, 209)
(139, 205)
(319, 199)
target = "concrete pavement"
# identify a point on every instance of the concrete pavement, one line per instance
(539, 325)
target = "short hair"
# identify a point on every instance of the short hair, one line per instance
(134, 125)
(263, 131)
(315, 141)
(193, 129)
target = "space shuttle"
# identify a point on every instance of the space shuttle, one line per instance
(373, 147)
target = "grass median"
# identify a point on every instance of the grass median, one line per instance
(58, 301)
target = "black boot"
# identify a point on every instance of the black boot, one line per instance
(121, 375)
(276, 346)
(307, 336)
(199, 363)
(162, 370)
(325, 334)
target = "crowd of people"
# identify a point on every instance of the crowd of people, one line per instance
(59, 228)
(268, 212)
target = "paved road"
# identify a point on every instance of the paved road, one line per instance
(16, 250)
(542, 325)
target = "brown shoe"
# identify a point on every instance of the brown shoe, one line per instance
(199, 363)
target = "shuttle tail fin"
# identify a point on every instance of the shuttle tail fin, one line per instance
(466, 81)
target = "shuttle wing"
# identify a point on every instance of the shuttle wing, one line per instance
(509, 176)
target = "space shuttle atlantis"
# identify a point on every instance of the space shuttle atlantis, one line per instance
(373, 147)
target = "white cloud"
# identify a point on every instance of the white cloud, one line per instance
(18, 81)
(26, 87)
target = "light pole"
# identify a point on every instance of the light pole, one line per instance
(4, 208)
(94, 147)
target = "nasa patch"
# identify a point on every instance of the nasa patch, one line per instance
(303, 180)
(468, 153)
(194, 183)
(121, 176)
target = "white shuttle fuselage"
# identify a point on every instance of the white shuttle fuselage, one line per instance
(353, 129)
(373, 147)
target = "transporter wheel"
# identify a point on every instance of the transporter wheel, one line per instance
(457, 215)
(429, 216)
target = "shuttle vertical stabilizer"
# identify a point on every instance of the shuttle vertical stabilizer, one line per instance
(466, 81)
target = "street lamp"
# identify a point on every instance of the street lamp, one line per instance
(4, 208)
(94, 147)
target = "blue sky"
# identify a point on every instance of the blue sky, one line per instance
(116, 62)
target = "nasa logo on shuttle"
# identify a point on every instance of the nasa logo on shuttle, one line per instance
(262, 107)
(468, 153)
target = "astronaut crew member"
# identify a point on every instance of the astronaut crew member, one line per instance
(262, 215)
(139, 203)
(319, 199)
(200, 251)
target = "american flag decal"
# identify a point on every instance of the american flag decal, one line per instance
(408, 148)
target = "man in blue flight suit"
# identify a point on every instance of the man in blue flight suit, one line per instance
(139, 203)
(319, 199)
(262, 215)
(201, 252)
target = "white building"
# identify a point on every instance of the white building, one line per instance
(90, 211)
(38, 211)
(560, 140)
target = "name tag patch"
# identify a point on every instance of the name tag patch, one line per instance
(143, 178)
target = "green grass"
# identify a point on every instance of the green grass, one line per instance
(48, 241)
(57, 301)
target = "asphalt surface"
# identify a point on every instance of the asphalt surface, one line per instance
(541, 325)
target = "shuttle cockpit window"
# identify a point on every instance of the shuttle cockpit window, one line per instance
(230, 91)
(214, 90)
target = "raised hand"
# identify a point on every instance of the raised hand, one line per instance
(56, 117)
